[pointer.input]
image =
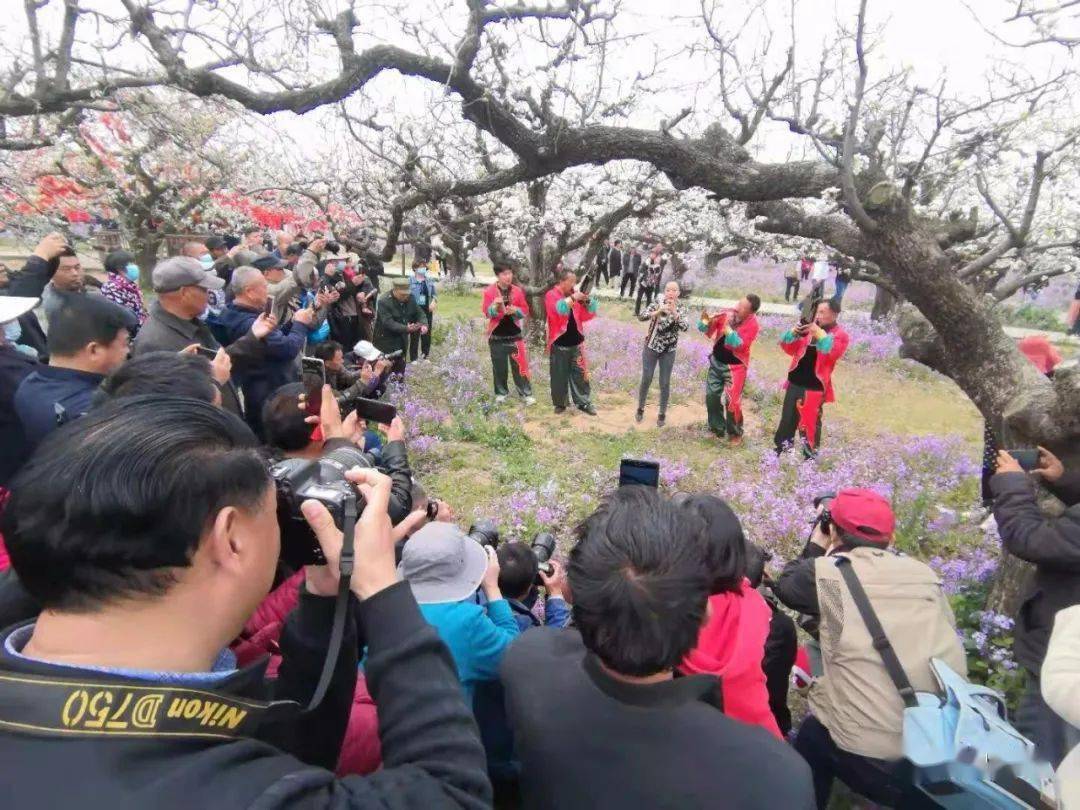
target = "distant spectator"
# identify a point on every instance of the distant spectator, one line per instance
(600, 722)
(445, 568)
(122, 283)
(88, 339)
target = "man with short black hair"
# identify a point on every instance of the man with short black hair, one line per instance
(567, 312)
(815, 349)
(148, 533)
(733, 333)
(88, 339)
(289, 433)
(606, 726)
(219, 252)
(163, 373)
(67, 283)
(505, 306)
(855, 730)
(613, 268)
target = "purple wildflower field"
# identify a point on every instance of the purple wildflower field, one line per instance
(530, 470)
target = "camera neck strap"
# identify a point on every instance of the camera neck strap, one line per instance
(877, 633)
(341, 605)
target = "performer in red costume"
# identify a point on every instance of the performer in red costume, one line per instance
(506, 309)
(733, 332)
(567, 311)
(815, 349)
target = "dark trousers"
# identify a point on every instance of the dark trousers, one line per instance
(632, 280)
(791, 292)
(649, 361)
(602, 273)
(503, 358)
(790, 417)
(875, 779)
(568, 375)
(421, 344)
(1053, 737)
(646, 292)
(721, 418)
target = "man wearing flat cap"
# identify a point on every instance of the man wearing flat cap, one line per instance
(398, 316)
(182, 286)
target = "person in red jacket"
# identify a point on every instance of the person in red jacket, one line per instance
(731, 643)
(732, 332)
(815, 349)
(567, 311)
(506, 309)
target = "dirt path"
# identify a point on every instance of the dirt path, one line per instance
(615, 415)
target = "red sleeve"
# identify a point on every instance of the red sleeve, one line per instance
(795, 345)
(840, 345)
(549, 305)
(749, 332)
(278, 604)
(523, 302)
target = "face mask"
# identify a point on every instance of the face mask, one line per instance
(207, 261)
(12, 331)
(132, 272)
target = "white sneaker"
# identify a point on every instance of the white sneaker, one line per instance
(500, 399)
(530, 400)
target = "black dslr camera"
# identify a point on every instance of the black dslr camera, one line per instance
(323, 480)
(486, 533)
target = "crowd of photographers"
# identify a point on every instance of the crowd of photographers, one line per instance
(226, 588)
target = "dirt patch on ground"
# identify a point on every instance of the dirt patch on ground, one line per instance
(615, 416)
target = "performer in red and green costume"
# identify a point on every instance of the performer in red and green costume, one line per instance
(733, 332)
(506, 309)
(567, 311)
(815, 349)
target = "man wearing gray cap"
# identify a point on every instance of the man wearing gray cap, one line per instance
(396, 319)
(444, 567)
(183, 288)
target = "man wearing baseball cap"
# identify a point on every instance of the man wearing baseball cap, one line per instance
(855, 730)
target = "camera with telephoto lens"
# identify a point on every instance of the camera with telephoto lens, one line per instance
(323, 480)
(822, 520)
(486, 533)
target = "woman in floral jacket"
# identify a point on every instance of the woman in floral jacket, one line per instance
(666, 319)
(122, 283)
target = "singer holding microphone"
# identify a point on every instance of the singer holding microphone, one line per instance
(666, 318)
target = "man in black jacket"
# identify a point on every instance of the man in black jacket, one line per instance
(614, 262)
(1053, 545)
(605, 725)
(146, 571)
(15, 365)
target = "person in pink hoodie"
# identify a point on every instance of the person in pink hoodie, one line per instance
(732, 641)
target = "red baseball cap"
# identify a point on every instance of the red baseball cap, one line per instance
(863, 513)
